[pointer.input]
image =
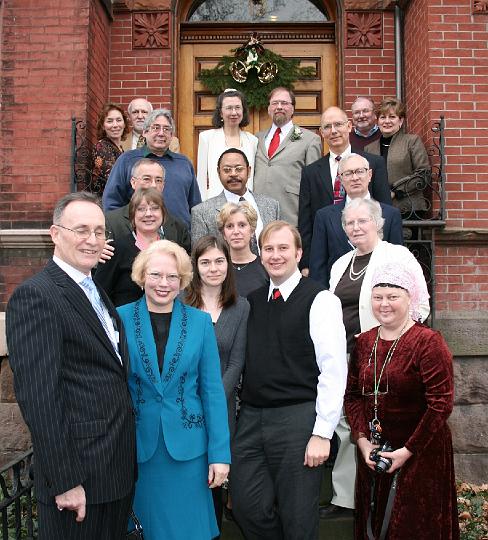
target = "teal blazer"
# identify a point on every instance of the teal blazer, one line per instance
(187, 400)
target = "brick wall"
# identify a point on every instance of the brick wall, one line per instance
(44, 51)
(445, 73)
(368, 71)
(134, 73)
(98, 64)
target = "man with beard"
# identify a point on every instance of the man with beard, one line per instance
(282, 152)
(365, 129)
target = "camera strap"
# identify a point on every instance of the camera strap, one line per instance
(388, 508)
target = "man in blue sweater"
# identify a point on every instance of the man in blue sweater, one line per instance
(181, 191)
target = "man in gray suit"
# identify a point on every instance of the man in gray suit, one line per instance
(282, 152)
(234, 170)
(69, 356)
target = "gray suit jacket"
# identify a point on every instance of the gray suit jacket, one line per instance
(279, 177)
(203, 215)
(230, 331)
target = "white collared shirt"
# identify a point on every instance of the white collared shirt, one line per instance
(334, 165)
(78, 277)
(329, 338)
(249, 197)
(284, 133)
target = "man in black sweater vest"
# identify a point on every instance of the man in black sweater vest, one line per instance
(294, 382)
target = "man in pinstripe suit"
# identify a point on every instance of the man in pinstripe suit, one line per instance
(68, 353)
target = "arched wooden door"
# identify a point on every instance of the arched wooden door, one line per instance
(203, 44)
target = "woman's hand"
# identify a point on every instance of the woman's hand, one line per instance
(217, 474)
(365, 447)
(398, 458)
(107, 253)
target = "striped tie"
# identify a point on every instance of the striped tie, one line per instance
(89, 285)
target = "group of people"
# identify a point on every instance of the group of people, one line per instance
(223, 343)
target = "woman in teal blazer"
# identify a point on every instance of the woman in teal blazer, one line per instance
(179, 401)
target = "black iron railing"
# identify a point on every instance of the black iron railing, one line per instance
(16, 501)
(424, 209)
(82, 177)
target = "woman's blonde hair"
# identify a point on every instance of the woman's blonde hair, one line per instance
(229, 209)
(183, 263)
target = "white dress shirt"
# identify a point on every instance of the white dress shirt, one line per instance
(284, 133)
(329, 338)
(78, 277)
(334, 165)
(249, 197)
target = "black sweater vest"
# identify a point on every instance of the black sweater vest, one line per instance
(280, 368)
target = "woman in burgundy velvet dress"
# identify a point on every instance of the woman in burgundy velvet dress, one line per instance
(400, 390)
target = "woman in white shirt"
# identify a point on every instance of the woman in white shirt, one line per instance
(230, 115)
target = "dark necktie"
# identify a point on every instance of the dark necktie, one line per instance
(276, 294)
(275, 142)
(141, 141)
(338, 188)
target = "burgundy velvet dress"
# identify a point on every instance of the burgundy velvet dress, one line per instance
(413, 413)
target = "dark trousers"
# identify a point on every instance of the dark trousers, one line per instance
(274, 496)
(107, 521)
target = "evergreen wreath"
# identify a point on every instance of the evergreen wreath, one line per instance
(254, 71)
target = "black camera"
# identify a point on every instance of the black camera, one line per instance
(382, 463)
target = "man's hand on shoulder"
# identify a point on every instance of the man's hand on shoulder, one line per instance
(75, 500)
(317, 451)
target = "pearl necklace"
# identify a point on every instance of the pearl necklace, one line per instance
(354, 276)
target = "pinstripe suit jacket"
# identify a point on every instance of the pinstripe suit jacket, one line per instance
(204, 215)
(71, 388)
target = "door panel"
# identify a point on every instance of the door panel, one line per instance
(202, 47)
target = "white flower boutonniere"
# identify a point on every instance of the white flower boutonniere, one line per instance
(296, 133)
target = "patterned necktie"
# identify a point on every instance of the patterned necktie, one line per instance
(89, 285)
(276, 294)
(338, 187)
(275, 142)
(141, 141)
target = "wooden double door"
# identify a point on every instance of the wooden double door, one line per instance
(201, 47)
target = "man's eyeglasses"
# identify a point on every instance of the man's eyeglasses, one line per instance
(335, 125)
(361, 172)
(280, 102)
(85, 233)
(146, 180)
(156, 128)
(237, 169)
(361, 111)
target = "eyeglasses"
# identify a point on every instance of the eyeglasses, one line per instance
(146, 180)
(156, 277)
(156, 128)
(85, 233)
(335, 125)
(361, 111)
(362, 171)
(230, 108)
(144, 209)
(280, 102)
(361, 222)
(238, 169)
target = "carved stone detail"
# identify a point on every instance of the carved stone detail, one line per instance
(364, 30)
(151, 30)
(366, 5)
(480, 6)
(148, 4)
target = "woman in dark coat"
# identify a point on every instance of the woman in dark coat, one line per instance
(147, 215)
